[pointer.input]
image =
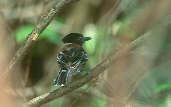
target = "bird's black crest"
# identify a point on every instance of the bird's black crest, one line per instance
(77, 38)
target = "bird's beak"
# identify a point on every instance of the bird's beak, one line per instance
(87, 38)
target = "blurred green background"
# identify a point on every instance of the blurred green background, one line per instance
(112, 24)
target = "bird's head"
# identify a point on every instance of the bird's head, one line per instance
(76, 38)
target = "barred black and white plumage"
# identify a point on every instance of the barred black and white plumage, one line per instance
(72, 58)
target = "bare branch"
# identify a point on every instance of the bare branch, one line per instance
(49, 96)
(98, 69)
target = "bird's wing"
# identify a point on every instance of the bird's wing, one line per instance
(62, 58)
(80, 57)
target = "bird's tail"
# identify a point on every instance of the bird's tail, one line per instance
(62, 78)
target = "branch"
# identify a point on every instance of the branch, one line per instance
(49, 96)
(98, 69)
(33, 36)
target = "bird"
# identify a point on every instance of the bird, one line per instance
(71, 58)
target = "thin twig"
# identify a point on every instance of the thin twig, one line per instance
(33, 36)
(49, 96)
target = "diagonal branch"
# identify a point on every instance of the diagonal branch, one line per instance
(33, 36)
(49, 96)
(100, 68)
